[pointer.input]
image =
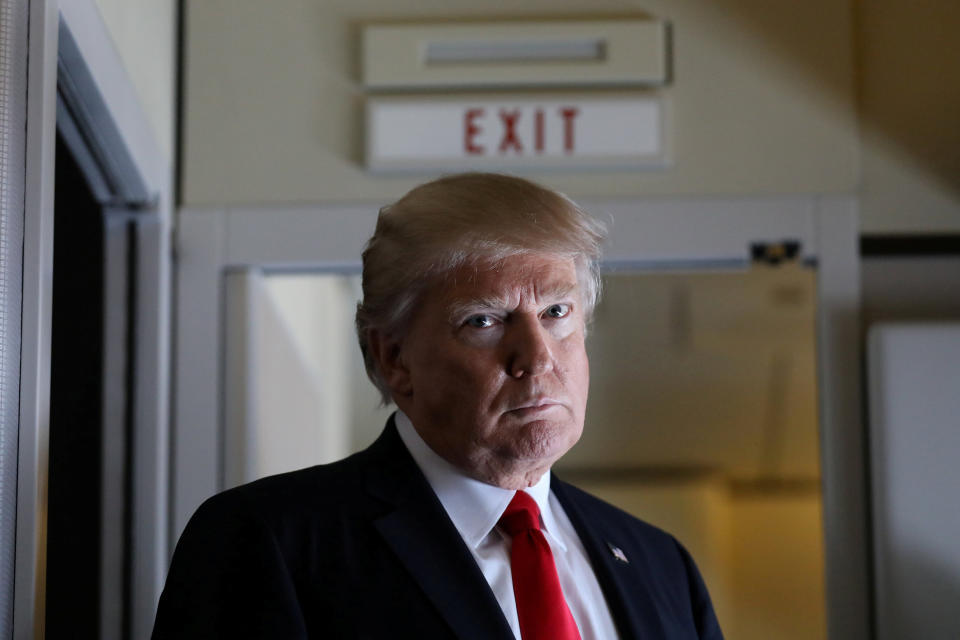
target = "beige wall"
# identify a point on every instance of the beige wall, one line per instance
(144, 34)
(762, 100)
(776, 566)
(910, 106)
(767, 97)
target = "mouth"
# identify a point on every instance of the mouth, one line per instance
(536, 405)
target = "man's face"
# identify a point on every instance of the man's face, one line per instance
(493, 371)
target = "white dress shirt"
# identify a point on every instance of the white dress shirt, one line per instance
(475, 508)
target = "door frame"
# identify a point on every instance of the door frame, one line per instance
(121, 138)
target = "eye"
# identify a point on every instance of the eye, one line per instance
(560, 310)
(480, 321)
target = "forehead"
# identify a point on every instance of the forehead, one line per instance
(525, 276)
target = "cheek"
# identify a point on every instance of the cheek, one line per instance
(566, 329)
(466, 379)
(579, 372)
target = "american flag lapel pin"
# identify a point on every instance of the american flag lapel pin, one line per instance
(618, 553)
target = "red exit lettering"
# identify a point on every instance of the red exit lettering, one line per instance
(471, 130)
(508, 124)
(510, 139)
(568, 114)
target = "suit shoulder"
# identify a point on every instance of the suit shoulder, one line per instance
(321, 487)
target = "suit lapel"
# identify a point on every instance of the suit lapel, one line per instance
(422, 536)
(626, 585)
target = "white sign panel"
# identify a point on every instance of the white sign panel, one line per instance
(437, 134)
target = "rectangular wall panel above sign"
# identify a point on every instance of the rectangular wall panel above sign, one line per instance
(426, 133)
(567, 53)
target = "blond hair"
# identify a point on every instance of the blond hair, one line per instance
(465, 219)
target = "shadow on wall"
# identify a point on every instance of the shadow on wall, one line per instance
(906, 79)
(909, 81)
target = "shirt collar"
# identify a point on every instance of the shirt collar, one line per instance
(474, 507)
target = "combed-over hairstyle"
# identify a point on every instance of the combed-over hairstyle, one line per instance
(466, 219)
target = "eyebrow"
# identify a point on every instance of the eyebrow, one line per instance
(462, 306)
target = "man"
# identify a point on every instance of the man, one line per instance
(476, 293)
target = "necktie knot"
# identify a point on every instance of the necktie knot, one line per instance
(522, 514)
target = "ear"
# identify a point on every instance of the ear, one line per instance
(386, 353)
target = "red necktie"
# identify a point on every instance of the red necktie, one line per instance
(543, 612)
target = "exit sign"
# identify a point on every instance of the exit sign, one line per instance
(440, 134)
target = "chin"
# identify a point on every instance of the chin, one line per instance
(543, 442)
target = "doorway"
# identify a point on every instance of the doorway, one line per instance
(702, 417)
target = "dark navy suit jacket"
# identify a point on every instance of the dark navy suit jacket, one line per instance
(362, 548)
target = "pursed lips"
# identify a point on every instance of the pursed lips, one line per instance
(534, 405)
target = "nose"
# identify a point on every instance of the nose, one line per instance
(529, 348)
